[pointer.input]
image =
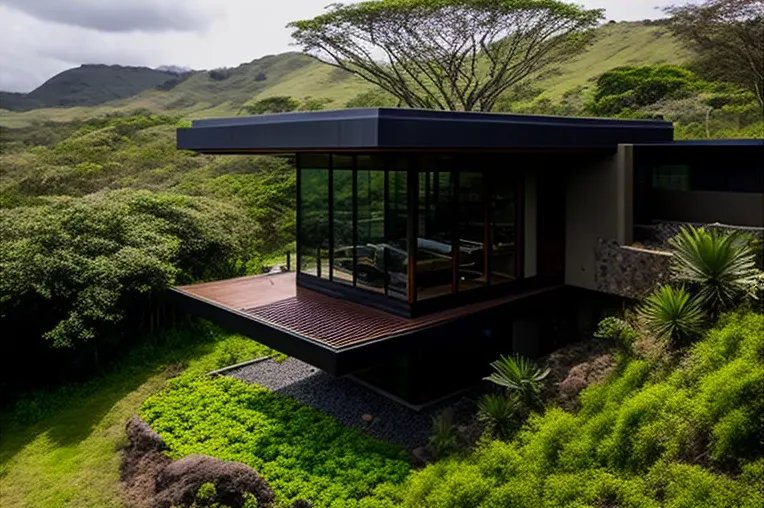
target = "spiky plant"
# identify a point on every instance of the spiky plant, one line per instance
(443, 437)
(720, 267)
(672, 313)
(500, 413)
(520, 376)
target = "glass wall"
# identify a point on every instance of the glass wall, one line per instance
(370, 267)
(471, 227)
(503, 227)
(435, 231)
(314, 233)
(358, 225)
(396, 231)
(343, 253)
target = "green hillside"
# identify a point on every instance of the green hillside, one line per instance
(223, 92)
(87, 85)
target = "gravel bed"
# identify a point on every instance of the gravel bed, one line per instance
(342, 398)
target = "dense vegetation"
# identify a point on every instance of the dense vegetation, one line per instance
(99, 219)
(652, 435)
(676, 431)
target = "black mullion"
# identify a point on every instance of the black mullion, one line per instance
(487, 218)
(386, 226)
(298, 234)
(355, 219)
(520, 225)
(412, 188)
(331, 217)
(455, 247)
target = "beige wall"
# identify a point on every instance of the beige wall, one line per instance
(530, 225)
(598, 205)
(733, 208)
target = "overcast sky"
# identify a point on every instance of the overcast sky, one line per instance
(40, 38)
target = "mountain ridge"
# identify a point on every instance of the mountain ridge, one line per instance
(225, 91)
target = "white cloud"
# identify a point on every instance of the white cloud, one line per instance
(36, 43)
(121, 16)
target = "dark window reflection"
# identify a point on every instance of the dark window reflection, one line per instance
(503, 228)
(435, 235)
(471, 230)
(314, 233)
(342, 270)
(395, 246)
(370, 267)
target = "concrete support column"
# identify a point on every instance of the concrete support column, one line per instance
(625, 194)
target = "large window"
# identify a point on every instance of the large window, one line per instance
(435, 238)
(503, 227)
(361, 216)
(370, 255)
(471, 224)
(342, 221)
(396, 247)
(314, 232)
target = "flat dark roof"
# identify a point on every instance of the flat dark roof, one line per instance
(711, 143)
(391, 129)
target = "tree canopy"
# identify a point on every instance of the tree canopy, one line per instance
(446, 54)
(729, 36)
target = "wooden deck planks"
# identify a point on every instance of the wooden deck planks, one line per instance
(339, 324)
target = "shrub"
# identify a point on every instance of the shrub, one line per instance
(672, 314)
(90, 262)
(635, 87)
(281, 104)
(375, 98)
(220, 74)
(499, 413)
(642, 439)
(443, 435)
(719, 266)
(620, 332)
(521, 376)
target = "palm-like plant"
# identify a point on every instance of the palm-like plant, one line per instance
(500, 413)
(720, 266)
(521, 376)
(672, 313)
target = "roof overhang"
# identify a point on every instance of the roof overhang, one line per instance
(391, 129)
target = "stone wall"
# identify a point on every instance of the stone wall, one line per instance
(630, 272)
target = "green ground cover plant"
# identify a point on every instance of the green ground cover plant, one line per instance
(61, 447)
(301, 452)
(648, 437)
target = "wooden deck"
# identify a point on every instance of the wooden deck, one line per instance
(275, 300)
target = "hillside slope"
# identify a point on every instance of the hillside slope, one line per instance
(223, 92)
(87, 85)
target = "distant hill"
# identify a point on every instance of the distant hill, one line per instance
(222, 92)
(87, 85)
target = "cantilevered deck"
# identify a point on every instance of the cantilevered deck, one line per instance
(335, 335)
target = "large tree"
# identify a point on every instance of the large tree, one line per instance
(729, 38)
(446, 54)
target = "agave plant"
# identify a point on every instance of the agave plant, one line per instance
(521, 376)
(672, 313)
(719, 266)
(500, 413)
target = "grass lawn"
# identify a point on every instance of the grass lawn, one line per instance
(60, 448)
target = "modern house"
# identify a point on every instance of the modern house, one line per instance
(428, 242)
